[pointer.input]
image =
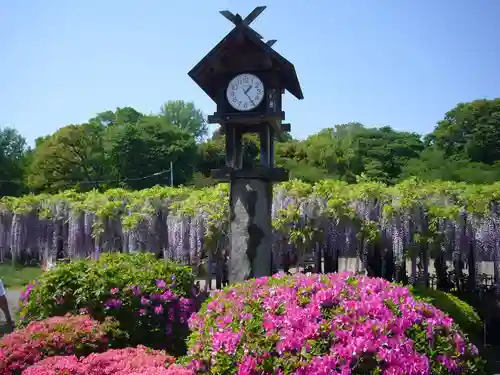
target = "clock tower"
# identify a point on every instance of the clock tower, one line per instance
(246, 79)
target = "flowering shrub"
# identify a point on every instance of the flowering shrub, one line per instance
(150, 298)
(462, 313)
(326, 324)
(129, 361)
(78, 335)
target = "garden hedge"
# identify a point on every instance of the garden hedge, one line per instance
(462, 313)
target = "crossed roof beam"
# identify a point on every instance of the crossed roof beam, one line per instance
(237, 20)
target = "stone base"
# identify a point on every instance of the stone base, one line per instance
(251, 229)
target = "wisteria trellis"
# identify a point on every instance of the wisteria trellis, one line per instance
(192, 225)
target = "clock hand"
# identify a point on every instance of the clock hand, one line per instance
(248, 96)
(247, 90)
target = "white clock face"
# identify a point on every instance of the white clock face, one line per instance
(245, 92)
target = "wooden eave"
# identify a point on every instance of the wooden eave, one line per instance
(201, 73)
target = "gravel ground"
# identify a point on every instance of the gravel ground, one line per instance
(13, 297)
(13, 300)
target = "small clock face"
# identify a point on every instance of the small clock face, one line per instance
(245, 92)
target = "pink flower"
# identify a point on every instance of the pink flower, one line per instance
(57, 335)
(324, 324)
(128, 361)
(161, 284)
(247, 366)
(159, 310)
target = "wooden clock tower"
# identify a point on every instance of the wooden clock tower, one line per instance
(246, 78)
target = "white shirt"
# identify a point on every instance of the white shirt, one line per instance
(2, 289)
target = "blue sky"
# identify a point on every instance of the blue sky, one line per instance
(386, 62)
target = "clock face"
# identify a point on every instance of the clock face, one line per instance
(245, 92)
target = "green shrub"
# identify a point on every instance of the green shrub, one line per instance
(148, 297)
(461, 312)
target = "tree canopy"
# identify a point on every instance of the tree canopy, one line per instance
(129, 149)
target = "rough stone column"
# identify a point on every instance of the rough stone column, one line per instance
(251, 231)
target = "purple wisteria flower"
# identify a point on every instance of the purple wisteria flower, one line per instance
(113, 303)
(161, 284)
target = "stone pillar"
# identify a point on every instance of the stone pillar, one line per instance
(251, 229)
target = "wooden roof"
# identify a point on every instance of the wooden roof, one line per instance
(203, 75)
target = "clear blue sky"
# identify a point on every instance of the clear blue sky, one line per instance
(385, 62)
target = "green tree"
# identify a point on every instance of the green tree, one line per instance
(348, 150)
(333, 150)
(292, 155)
(72, 157)
(120, 116)
(212, 153)
(185, 116)
(126, 148)
(139, 155)
(13, 152)
(385, 152)
(433, 164)
(471, 131)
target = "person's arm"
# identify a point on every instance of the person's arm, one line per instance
(4, 306)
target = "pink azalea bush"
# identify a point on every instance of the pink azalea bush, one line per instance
(150, 298)
(77, 335)
(128, 361)
(326, 324)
